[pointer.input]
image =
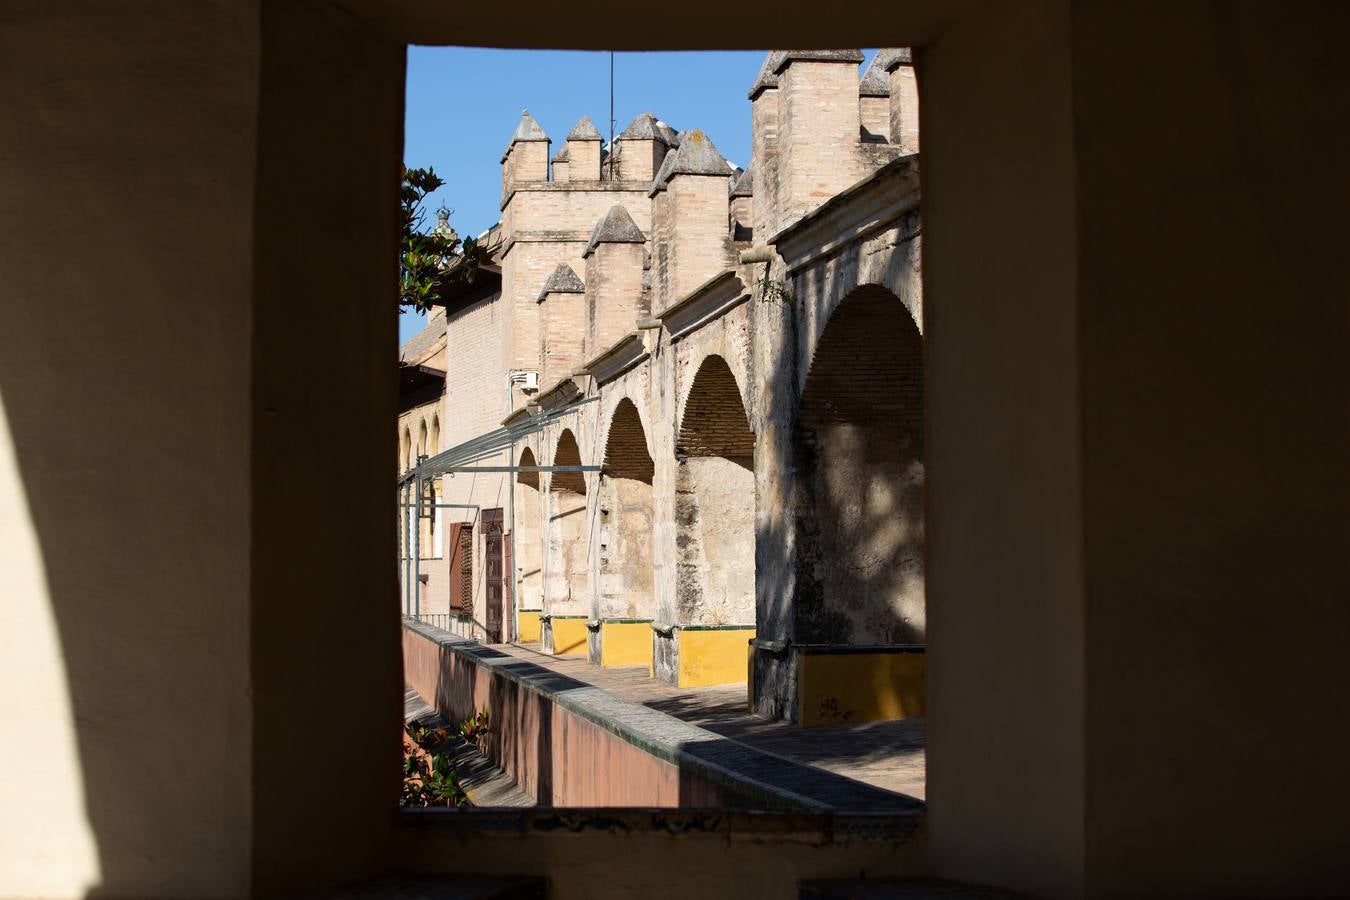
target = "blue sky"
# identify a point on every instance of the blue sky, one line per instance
(464, 103)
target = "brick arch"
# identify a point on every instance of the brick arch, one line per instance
(567, 453)
(626, 453)
(529, 479)
(529, 537)
(714, 422)
(867, 365)
(859, 474)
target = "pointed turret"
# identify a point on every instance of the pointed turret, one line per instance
(644, 144)
(904, 97)
(874, 99)
(562, 165)
(767, 79)
(526, 156)
(562, 313)
(696, 155)
(764, 145)
(616, 227)
(528, 130)
(691, 210)
(583, 151)
(585, 130)
(562, 281)
(741, 188)
(819, 128)
(614, 298)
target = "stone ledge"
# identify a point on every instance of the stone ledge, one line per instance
(918, 889)
(816, 828)
(439, 887)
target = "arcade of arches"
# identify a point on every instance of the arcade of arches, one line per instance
(751, 505)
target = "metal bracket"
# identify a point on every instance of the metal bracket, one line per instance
(777, 648)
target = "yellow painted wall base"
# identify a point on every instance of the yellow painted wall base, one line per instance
(569, 637)
(860, 687)
(625, 644)
(531, 631)
(714, 656)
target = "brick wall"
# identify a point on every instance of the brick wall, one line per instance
(764, 150)
(626, 453)
(583, 160)
(818, 134)
(714, 421)
(904, 120)
(567, 454)
(524, 271)
(547, 225)
(614, 298)
(475, 380)
(875, 113)
(696, 208)
(526, 161)
(639, 159)
(561, 336)
(859, 455)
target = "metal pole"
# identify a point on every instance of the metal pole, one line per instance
(611, 115)
(403, 526)
(417, 550)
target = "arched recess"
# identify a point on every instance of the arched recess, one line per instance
(567, 574)
(406, 450)
(422, 440)
(529, 544)
(625, 510)
(858, 457)
(715, 502)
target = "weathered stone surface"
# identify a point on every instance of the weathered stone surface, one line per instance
(562, 281)
(648, 127)
(875, 81)
(768, 74)
(743, 183)
(786, 57)
(617, 227)
(888, 58)
(528, 129)
(585, 130)
(696, 155)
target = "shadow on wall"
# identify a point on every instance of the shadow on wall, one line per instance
(858, 497)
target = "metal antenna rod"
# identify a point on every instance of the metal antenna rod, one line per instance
(611, 115)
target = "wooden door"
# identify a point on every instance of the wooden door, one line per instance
(461, 568)
(494, 572)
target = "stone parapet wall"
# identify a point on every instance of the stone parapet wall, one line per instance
(569, 744)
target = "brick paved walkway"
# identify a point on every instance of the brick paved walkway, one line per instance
(888, 755)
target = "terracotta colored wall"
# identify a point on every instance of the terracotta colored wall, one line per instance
(557, 756)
